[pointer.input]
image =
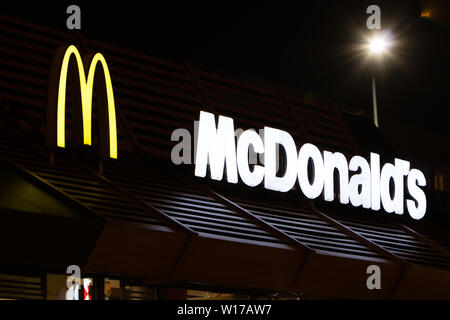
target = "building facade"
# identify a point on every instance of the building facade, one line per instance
(142, 227)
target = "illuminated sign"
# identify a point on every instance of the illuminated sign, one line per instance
(368, 187)
(82, 123)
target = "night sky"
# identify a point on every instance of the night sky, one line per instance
(311, 47)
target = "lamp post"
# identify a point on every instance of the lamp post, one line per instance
(377, 46)
(374, 102)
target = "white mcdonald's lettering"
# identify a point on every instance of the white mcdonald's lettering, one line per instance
(367, 187)
(57, 101)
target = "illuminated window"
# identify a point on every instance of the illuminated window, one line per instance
(425, 14)
(13, 287)
(127, 290)
(439, 181)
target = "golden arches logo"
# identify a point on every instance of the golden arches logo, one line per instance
(82, 123)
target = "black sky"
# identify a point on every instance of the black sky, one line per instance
(305, 46)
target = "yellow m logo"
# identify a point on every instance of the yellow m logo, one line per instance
(81, 94)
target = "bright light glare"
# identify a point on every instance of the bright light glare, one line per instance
(378, 45)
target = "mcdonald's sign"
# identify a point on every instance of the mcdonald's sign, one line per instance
(81, 94)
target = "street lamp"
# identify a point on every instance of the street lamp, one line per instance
(378, 45)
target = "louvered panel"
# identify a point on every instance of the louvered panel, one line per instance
(98, 198)
(21, 287)
(79, 185)
(322, 126)
(26, 56)
(306, 228)
(327, 132)
(155, 96)
(185, 204)
(251, 107)
(134, 292)
(397, 241)
(436, 234)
